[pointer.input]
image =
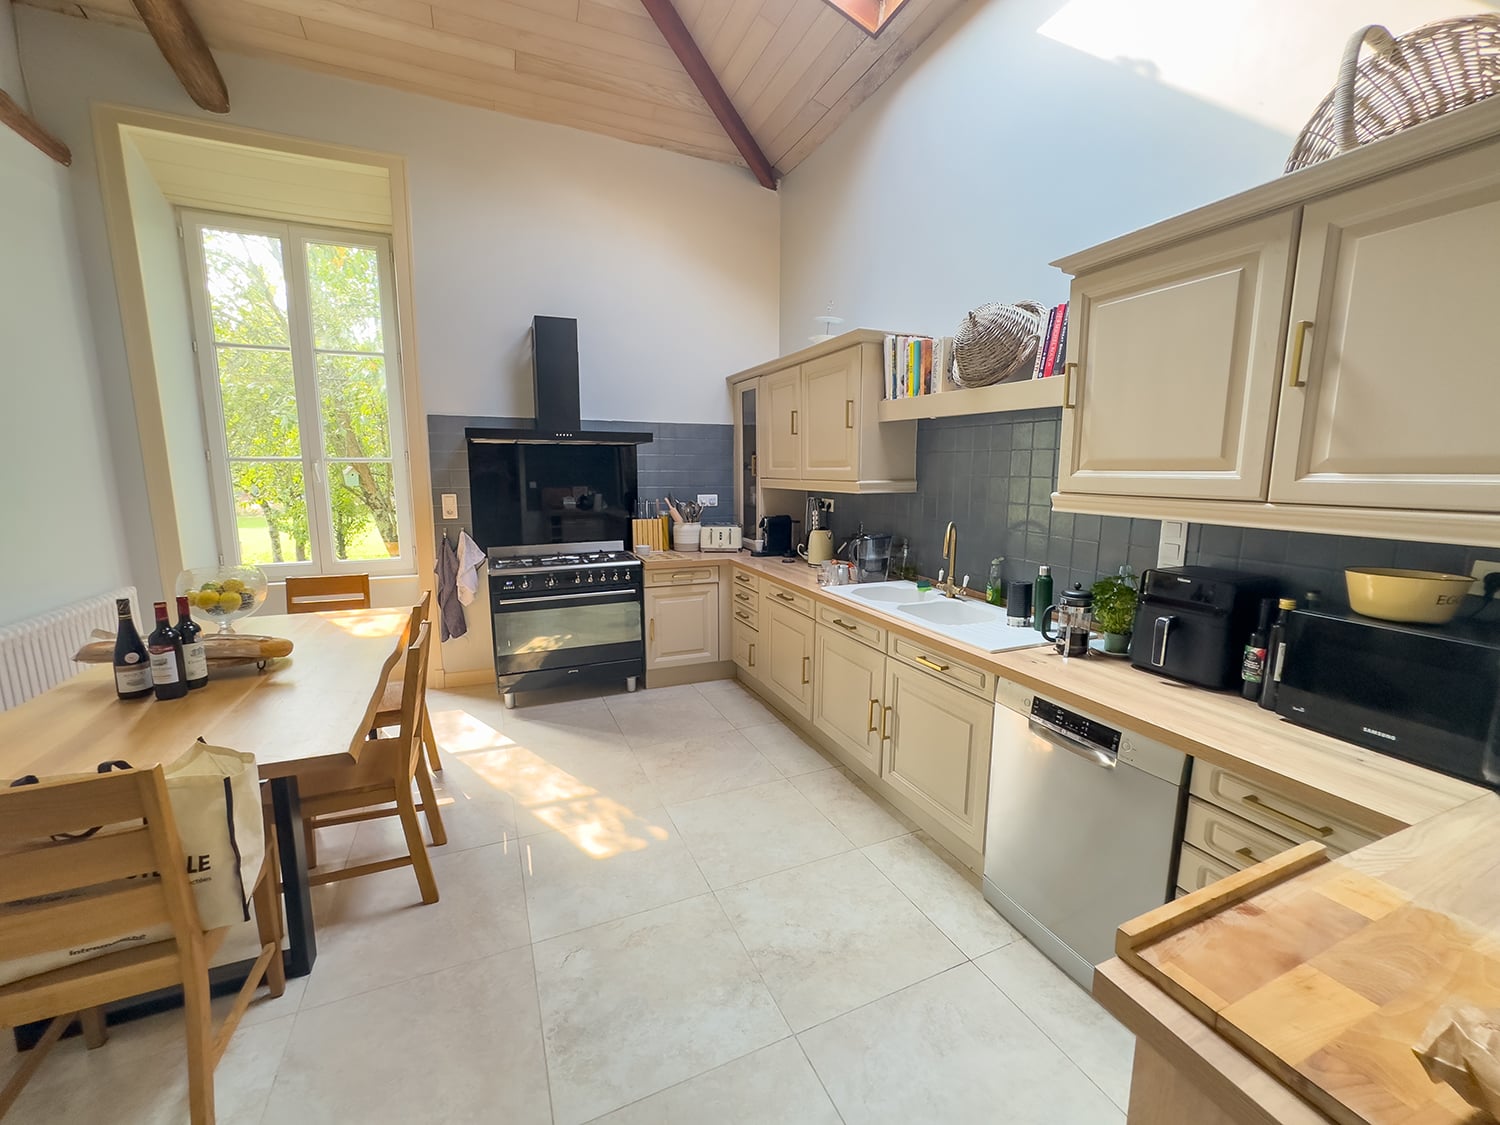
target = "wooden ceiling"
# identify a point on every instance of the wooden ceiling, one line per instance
(794, 69)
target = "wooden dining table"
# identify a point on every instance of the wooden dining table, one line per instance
(307, 711)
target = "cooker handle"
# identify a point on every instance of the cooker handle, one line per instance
(1159, 635)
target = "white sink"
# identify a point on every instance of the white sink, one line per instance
(892, 593)
(954, 612)
(960, 619)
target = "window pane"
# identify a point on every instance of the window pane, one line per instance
(356, 412)
(260, 402)
(270, 511)
(363, 499)
(246, 287)
(344, 286)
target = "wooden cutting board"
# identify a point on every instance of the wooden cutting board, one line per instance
(1326, 973)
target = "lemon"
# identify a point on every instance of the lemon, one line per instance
(214, 586)
(231, 585)
(229, 601)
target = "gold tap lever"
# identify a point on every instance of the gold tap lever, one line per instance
(950, 558)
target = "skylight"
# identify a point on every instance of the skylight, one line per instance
(870, 16)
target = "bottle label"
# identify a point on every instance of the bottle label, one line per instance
(196, 658)
(164, 666)
(132, 678)
(1253, 669)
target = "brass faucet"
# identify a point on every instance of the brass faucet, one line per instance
(950, 559)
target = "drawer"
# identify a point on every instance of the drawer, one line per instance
(746, 645)
(682, 575)
(1196, 870)
(792, 599)
(744, 580)
(747, 615)
(855, 627)
(1228, 838)
(741, 598)
(1270, 809)
(942, 665)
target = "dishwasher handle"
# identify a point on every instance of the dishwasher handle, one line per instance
(1067, 740)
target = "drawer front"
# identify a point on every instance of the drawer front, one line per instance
(856, 628)
(1196, 870)
(682, 575)
(1282, 815)
(741, 598)
(1228, 838)
(745, 614)
(744, 580)
(792, 599)
(940, 664)
(746, 643)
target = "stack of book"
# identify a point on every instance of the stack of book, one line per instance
(1052, 347)
(917, 365)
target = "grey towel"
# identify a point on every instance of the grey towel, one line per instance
(449, 608)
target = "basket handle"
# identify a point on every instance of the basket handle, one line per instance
(1343, 93)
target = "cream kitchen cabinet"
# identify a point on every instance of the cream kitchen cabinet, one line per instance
(779, 432)
(848, 685)
(745, 643)
(682, 625)
(788, 639)
(830, 401)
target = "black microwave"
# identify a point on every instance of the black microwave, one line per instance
(1426, 694)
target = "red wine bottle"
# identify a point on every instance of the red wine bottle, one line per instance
(168, 667)
(194, 655)
(132, 661)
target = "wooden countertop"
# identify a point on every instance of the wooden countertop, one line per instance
(1371, 789)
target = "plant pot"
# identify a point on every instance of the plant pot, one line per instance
(1117, 642)
(686, 536)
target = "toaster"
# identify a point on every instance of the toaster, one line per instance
(720, 537)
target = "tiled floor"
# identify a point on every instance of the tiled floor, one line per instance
(656, 908)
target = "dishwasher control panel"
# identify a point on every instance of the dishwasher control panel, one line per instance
(1082, 727)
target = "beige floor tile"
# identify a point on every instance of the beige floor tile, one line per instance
(472, 819)
(459, 1045)
(772, 1086)
(736, 704)
(573, 881)
(854, 810)
(787, 750)
(752, 832)
(664, 714)
(636, 1005)
(945, 892)
(832, 935)
(382, 933)
(1069, 1016)
(704, 764)
(950, 1049)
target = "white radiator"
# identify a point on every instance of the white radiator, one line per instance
(37, 654)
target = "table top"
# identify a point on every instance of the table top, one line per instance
(312, 708)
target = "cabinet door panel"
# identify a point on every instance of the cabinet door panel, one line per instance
(849, 680)
(1177, 359)
(781, 401)
(682, 625)
(789, 641)
(830, 396)
(1399, 280)
(746, 649)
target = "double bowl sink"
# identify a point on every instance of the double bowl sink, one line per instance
(961, 619)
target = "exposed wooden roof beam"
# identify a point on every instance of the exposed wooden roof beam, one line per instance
(186, 52)
(683, 46)
(27, 126)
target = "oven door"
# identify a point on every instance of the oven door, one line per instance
(570, 630)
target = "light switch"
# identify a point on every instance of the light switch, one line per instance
(450, 505)
(1171, 547)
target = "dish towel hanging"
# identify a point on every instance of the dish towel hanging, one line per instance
(449, 609)
(470, 558)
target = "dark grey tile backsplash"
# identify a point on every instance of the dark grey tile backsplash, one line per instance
(685, 459)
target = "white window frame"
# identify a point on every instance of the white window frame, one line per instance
(294, 239)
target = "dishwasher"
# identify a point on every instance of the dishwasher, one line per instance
(1082, 828)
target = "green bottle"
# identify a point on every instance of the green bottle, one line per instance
(994, 590)
(1042, 594)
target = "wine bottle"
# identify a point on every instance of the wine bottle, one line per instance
(1276, 655)
(194, 655)
(168, 667)
(1253, 665)
(132, 661)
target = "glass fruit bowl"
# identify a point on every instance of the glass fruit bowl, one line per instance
(223, 594)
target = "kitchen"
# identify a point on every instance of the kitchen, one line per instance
(681, 272)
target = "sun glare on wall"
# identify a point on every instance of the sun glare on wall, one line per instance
(870, 16)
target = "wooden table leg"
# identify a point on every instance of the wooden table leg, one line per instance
(302, 940)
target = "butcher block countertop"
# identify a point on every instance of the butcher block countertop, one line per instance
(1370, 789)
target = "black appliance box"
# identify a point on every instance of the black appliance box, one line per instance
(1193, 621)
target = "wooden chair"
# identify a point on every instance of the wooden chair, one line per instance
(383, 776)
(389, 712)
(315, 593)
(95, 887)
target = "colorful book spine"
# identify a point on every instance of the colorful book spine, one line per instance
(1062, 345)
(1053, 335)
(1041, 346)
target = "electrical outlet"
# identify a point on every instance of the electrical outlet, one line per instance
(1171, 548)
(828, 505)
(1482, 568)
(450, 505)
(708, 499)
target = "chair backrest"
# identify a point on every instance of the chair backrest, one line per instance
(413, 689)
(121, 872)
(420, 612)
(315, 593)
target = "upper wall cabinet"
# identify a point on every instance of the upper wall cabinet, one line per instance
(1314, 354)
(781, 402)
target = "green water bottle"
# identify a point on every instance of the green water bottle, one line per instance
(1042, 593)
(994, 590)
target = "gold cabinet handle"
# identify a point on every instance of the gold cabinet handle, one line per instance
(794, 423)
(806, 670)
(1068, 369)
(742, 615)
(742, 579)
(933, 664)
(741, 596)
(752, 654)
(1294, 371)
(848, 414)
(785, 596)
(842, 624)
(885, 715)
(870, 718)
(1286, 818)
(1246, 854)
(689, 575)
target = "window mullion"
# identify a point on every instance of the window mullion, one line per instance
(309, 416)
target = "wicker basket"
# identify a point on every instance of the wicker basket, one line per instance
(996, 341)
(1423, 74)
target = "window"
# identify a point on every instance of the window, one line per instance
(296, 339)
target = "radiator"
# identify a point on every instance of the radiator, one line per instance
(38, 653)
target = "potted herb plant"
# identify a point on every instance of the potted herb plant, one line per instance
(1114, 610)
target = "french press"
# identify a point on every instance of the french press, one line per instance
(1073, 617)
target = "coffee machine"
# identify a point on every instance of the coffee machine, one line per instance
(776, 536)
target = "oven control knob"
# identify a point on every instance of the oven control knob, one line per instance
(525, 583)
(551, 581)
(590, 577)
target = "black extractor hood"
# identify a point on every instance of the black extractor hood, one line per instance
(554, 368)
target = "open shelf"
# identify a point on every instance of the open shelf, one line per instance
(1027, 394)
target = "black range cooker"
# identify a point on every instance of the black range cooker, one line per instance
(566, 618)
